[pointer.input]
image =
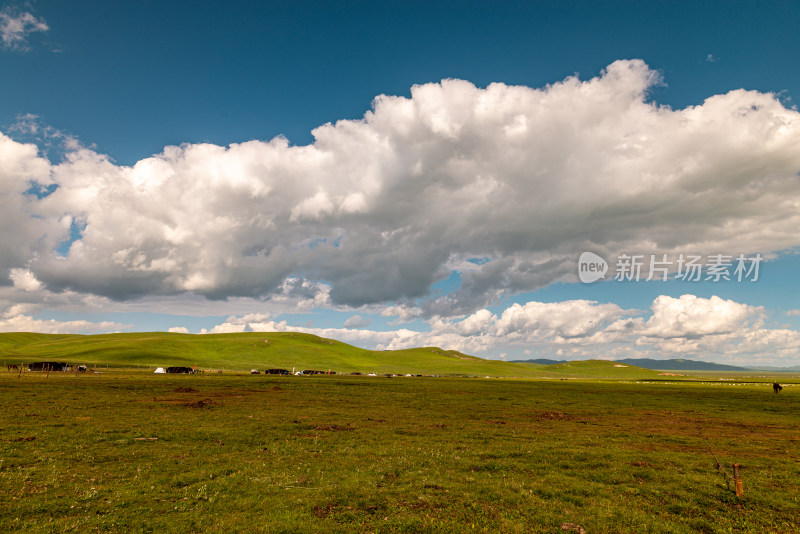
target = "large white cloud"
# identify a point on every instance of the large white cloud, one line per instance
(690, 316)
(380, 209)
(25, 231)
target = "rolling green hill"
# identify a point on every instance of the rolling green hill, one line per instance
(600, 369)
(243, 351)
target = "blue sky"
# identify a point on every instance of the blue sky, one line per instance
(133, 78)
(187, 181)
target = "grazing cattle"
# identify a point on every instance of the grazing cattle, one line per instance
(777, 387)
(13, 367)
(47, 366)
(180, 370)
(315, 372)
(255, 372)
(276, 372)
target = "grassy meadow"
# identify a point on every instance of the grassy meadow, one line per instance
(242, 352)
(124, 451)
(257, 350)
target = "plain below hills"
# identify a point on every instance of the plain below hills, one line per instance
(678, 364)
(262, 350)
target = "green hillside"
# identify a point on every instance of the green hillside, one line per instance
(594, 369)
(13, 340)
(243, 351)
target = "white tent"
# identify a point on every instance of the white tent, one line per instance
(160, 371)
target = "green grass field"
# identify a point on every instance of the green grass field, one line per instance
(135, 452)
(277, 350)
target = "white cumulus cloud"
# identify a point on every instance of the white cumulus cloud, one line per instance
(178, 330)
(508, 182)
(690, 316)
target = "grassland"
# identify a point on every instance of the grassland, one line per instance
(136, 452)
(276, 350)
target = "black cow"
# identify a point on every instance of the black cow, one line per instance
(47, 366)
(180, 370)
(777, 387)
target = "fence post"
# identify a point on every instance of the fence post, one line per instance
(737, 481)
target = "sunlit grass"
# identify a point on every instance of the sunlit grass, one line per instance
(123, 452)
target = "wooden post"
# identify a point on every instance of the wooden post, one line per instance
(737, 481)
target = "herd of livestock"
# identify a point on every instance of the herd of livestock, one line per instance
(65, 367)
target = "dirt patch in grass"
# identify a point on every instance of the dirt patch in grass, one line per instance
(242, 393)
(697, 448)
(331, 510)
(693, 425)
(15, 440)
(424, 506)
(334, 428)
(184, 389)
(202, 403)
(485, 468)
(554, 416)
(573, 527)
(324, 511)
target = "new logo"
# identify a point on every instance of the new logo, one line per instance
(591, 267)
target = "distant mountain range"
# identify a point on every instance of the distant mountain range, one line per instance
(675, 365)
